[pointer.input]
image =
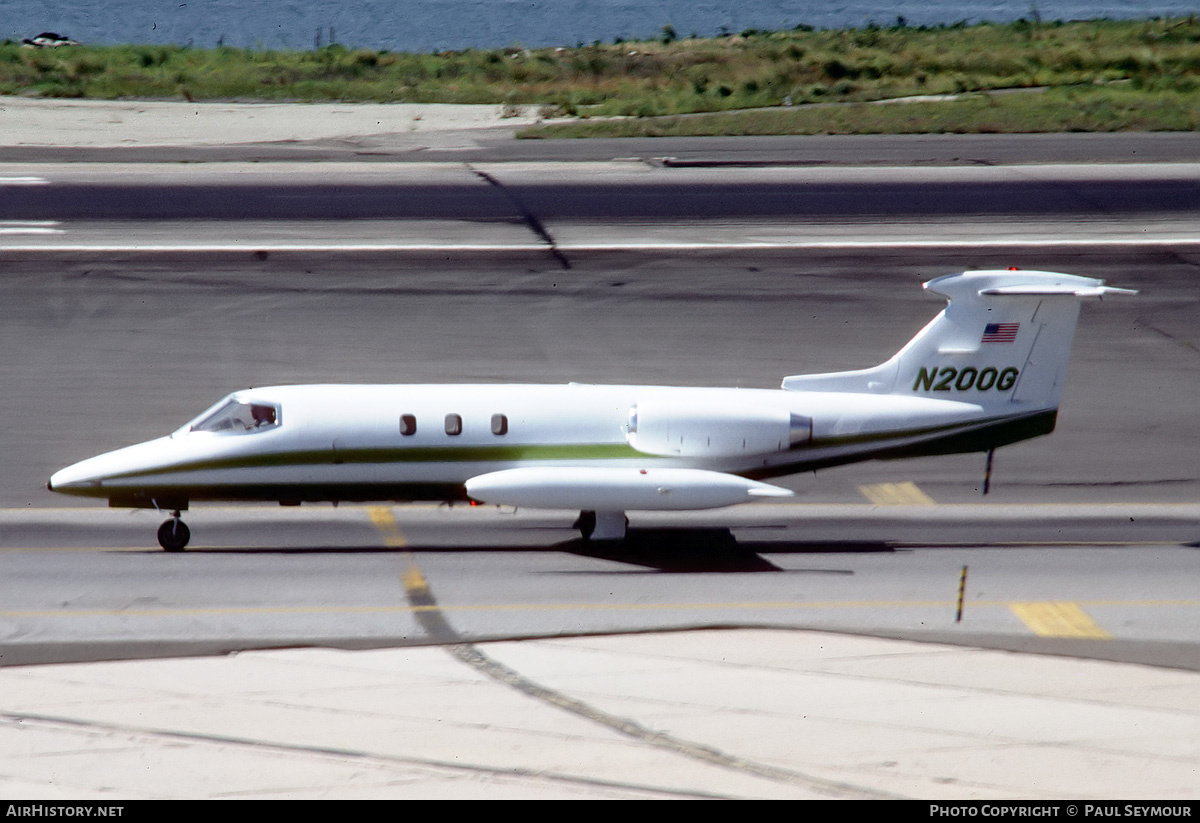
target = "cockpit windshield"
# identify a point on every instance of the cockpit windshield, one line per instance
(239, 417)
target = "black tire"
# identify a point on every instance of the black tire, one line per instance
(586, 523)
(173, 535)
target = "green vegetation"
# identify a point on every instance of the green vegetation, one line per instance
(1055, 110)
(1103, 75)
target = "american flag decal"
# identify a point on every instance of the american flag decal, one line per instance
(1000, 332)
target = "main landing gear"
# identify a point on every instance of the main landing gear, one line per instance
(174, 534)
(602, 525)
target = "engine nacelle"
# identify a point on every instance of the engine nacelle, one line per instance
(676, 429)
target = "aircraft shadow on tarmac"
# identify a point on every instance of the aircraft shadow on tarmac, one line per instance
(707, 550)
(678, 550)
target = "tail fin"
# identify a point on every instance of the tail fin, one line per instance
(1004, 339)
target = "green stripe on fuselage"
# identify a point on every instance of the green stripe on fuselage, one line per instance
(412, 454)
(941, 430)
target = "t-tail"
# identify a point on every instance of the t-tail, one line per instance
(1001, 344)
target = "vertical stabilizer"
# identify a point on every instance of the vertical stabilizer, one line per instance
(1004, 339)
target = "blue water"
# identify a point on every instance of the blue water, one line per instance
(434, 25)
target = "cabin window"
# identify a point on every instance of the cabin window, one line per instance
(408, 424)
(238, 417)
(453, 424)
(499, 424)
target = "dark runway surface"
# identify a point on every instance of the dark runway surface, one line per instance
(588, 192)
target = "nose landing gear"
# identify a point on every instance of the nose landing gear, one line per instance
(174, 534)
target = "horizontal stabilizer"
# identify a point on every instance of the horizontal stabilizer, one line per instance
(1044, 291)
(617, 489)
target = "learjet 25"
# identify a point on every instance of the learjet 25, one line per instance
(985, 372)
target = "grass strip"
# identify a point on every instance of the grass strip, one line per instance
(1103, 75)
(1050, 110)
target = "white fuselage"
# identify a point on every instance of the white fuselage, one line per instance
(405, 442)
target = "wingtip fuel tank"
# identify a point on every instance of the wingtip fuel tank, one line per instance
(651, 489)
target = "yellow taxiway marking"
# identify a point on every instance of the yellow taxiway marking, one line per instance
(895, 494)
(385, 521)
(1057, 619)
(414, 581)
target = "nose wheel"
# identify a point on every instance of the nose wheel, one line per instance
(174, 534)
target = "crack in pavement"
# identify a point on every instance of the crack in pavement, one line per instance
(531, 219)
(279, 747)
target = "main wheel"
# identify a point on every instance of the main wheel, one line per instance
(586, 523)
(173, 535)
(602, 525)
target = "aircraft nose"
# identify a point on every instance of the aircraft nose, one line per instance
(93, 477)
(61, 481)
(74, 479)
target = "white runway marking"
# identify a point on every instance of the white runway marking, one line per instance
(30, 227)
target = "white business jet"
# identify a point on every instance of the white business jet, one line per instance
(986, 372)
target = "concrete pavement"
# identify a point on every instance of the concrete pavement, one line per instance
(137, 123)
(704, 714)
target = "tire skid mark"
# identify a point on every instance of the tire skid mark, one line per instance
(432, 619)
